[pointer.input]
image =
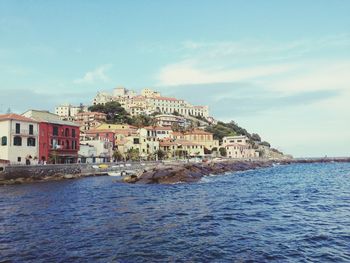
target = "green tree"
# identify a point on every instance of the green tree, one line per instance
(117, 155)
(223, 151)
(161, 154)
(133, 155)
(115, 112)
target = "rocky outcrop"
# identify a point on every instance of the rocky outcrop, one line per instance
(188, 173)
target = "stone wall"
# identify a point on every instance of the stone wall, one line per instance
(38, 172)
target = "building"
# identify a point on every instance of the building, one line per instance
(89, 120)
(156, 132)
(96, 151)
(181, 149)
(148, 93)
(240, 139)
(19, 139)
(203, 138)
(239, 147)
(150, 101)
(102, 135)
(68, 111)
(169, 120)
(58, 139)
(240, 151)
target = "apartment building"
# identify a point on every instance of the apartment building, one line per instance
(89, 120)
(19, 139)
(58, 139)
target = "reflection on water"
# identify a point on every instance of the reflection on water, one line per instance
(284, 214)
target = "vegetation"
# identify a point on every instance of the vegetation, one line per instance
(115, 112)
(142, 120)
(223, 152)
(161, 154)
(222, 129)
(117, 156)
(133, 155)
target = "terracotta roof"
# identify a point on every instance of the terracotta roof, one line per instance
(17, 117)
(237, 145)
(99, 131)
(198, 132)
(187, 143)
(165, 98)
(167, 143)
(178, 134)
(157, 128)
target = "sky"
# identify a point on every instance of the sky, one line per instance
(278, 68)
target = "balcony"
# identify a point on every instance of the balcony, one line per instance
(24, 132)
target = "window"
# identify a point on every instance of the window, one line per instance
(4, 141)
(18, 128)
(66, 133)
(31, 129)
(55, 131)
(19, 159)
(136, 141)
(67, 144)
(73, 133)
(31, 142)
(17, 141)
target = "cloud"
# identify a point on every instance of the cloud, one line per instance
(95, 76)
(189, 72)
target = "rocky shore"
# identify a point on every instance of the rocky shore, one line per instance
(189, 173)
(156, 174)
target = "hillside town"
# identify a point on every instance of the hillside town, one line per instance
(124, 126)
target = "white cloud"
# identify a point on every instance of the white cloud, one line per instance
(188, 72)
(94, 76)
(312, 76)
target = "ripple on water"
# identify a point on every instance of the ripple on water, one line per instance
(296, 213)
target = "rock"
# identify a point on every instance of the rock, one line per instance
(68, 176)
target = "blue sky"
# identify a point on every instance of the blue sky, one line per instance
(278, 68)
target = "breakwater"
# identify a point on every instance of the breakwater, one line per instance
(188, 173)
(144, 173)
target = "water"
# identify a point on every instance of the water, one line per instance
(295, 213)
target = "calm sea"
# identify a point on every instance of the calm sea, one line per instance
(295, 213)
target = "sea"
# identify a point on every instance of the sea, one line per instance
(287, 213)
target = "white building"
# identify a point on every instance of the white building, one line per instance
(157, 132)
(68, 111)
(150, 101)
(18, 139)
(240, 139)
(241, 151)
(168, 120)
(96, 151)
(238, 147)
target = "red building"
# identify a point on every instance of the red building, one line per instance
(58, 140)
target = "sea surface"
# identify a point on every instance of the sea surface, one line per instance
(293, 213)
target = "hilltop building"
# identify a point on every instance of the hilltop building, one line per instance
(68, 111)
(149, 102)
(89, 120)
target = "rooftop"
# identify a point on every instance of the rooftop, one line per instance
(46, 116)
(17, 117)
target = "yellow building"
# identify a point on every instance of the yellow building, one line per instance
(202, 137)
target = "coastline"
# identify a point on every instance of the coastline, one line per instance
(156, 173)
(189, 173)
